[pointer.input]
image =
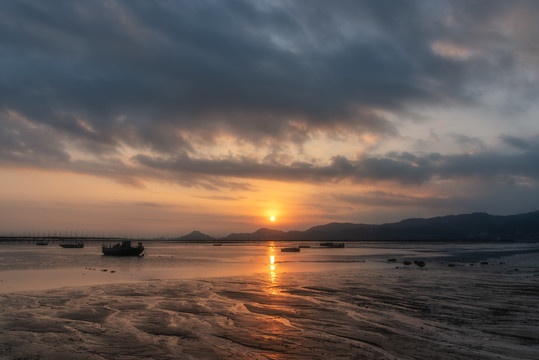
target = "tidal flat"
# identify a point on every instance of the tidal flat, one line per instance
(448, 309)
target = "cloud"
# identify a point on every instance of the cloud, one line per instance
(527, 144)
(28, 144)
(468, 142)
(21, 146)
(451, 51)
(144, 73)
(220, 198)
(403, 168)
(397, 200)
(82, 82)
(495, 197)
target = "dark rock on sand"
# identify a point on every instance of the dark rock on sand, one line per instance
(419, 263)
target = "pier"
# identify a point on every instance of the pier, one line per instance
(58, 238)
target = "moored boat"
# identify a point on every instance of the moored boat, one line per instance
(73, 245)
(290, 249)
(123, 249)
(332, 245)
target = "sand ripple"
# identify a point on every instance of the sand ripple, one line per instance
(438, 312)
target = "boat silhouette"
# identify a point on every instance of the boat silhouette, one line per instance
(123, 248)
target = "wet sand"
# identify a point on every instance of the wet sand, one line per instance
(461, 311)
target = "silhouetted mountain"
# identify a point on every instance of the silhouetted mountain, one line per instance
(195, 236)
(260, 234)
(479, 226)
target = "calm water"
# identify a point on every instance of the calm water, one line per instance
(25, 266)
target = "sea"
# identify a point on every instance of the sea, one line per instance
(25, 266)
(368, 300)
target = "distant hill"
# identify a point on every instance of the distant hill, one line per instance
(260, 234)
(476, 226)
(195, 236)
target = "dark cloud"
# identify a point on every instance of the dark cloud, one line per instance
(526, 144)
(26, 145)
(138, 72)
(403, 168)
(167, 78)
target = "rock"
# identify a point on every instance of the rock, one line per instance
(391, 260)
(407, 262)
(484, 263)
(451, 265)
(419, 263)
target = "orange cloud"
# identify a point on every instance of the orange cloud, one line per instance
(451, 50)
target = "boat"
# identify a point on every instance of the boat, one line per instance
(304, 246)
(290, 249)
(332, 245)
(123, 249)
(73, 245)
(42, 242)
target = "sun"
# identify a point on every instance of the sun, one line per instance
(272, 218)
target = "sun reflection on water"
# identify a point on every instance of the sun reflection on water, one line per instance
(272, 270)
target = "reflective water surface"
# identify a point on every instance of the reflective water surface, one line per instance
(25, 266)
(252, 301)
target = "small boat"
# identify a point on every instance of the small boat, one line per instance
(304, 246)
(290, 249)
(123, 249)
(42, 242)
(73, 245)
(332, 245)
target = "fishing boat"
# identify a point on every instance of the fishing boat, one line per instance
(332, 245)
(73, 245)
(290, 249)
(123, 249)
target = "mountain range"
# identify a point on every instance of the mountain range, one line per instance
(475, 226)
(195, 236)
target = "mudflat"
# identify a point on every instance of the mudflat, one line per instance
(442, 310)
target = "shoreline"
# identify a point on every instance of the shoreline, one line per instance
(479, 312)
(99, 272)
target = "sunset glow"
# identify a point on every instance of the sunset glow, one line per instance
(299, 179)
(266, 123)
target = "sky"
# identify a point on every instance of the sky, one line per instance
(157, 118)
